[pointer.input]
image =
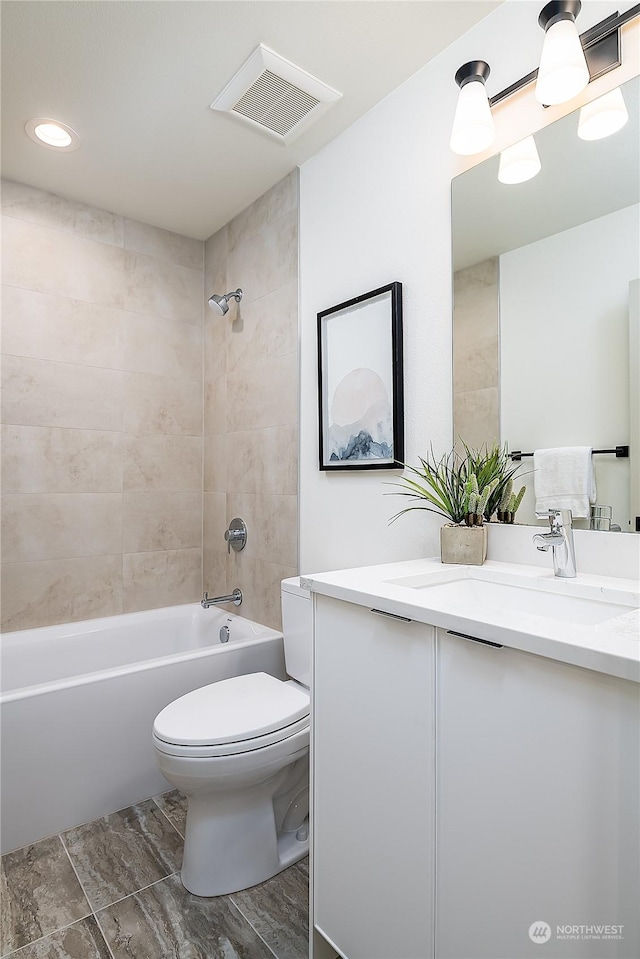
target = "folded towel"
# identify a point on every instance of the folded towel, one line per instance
(564, 479)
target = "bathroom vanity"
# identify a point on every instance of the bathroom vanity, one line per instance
(473, 792)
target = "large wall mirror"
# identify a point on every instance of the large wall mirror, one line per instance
(546, 303)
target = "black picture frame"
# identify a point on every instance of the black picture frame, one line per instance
(360, 382)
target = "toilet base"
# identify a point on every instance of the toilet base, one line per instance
(238, 847)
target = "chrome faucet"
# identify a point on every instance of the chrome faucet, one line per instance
(560, 539)
(235, 597)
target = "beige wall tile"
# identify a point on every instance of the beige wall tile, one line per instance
(267, 261)
(266, 396)
(272, 525)
(157, 520)
(263, 461)
(216, 332)
(37, 258)
(216, 521)
(46, 209)
(44, 393)
(158, 288)
(476, 416)
(268, 328)
(152, 344)
(173, 247)
(215, 462)
(214, 575)
(162, 404)
(278, 460)
(167, 578)
(39, 459)
(475, 363)
(48, 327)
(60, 591)
(260, 585)
(280, 199)
(38, 526)
(215, 405)
(215, 263)
(170, 463)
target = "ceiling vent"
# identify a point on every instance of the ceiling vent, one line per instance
(275, 95)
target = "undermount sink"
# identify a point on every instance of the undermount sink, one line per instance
(469, 593)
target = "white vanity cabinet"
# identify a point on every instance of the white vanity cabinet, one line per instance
(538, 806)
(373, 765)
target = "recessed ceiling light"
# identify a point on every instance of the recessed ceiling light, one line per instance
(52, 134)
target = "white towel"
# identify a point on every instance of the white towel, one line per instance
(564, 479)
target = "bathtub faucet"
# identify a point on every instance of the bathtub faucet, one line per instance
(235, 597)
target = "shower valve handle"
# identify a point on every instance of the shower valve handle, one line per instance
(236, 535)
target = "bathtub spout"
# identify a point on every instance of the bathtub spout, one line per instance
(235, 597)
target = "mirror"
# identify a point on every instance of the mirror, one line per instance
(545, 306)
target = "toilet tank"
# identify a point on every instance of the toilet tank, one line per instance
(297, 627)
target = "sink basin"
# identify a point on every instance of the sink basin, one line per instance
(468, 594)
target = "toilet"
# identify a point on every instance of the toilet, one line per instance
(239, 750)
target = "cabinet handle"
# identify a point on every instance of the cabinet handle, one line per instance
(383, 612)
(474, 639)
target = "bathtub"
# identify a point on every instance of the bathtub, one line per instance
(77, 705)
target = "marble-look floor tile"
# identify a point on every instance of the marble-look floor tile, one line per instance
(40, 893)
(165, 921)
(124, 852)
(174, 805)
(82, 940)
(279, 910)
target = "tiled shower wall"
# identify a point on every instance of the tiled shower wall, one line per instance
(102, 452)
(102, 412)
(251, 402)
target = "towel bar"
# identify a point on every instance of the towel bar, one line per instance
(620, 451)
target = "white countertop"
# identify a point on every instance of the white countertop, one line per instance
(611, 647)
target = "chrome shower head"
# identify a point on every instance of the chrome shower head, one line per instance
(221, 303)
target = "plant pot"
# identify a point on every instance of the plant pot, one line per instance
(466, 545)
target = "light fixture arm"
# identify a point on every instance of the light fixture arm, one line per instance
(600, 61)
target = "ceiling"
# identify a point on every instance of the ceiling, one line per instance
(135, 79)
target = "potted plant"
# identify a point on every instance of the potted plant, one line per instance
(448, 487)
(493, 464)
(509, 503)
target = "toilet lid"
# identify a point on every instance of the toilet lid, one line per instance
(231, 710)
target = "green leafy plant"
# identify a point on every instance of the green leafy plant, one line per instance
(493, 467)
(465, 487)
(437, 485)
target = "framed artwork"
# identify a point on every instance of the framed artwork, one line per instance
(360, 382)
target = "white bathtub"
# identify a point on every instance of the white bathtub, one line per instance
(78, 702)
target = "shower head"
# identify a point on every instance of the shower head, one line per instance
(221, 303)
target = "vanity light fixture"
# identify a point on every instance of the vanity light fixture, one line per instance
(52, 134)
(561, 76)
(519, 162)
(473, 128)
(563, 70)
(603, 117)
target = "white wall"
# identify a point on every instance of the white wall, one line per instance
(375, 207)
(564, 345)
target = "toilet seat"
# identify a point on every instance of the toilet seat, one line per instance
(235, 715)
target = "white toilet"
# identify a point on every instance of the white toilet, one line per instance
(239, 750)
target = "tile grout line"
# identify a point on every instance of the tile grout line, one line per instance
(75, 871)
(171, 823)
(137, 891)
(251, 926)
(27, 945)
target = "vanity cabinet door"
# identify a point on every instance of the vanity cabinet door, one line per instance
(538, 807)
(373, 783)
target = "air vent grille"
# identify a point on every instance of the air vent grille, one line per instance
(275, 103)
(275, 95)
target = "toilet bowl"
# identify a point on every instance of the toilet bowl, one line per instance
(239, 751)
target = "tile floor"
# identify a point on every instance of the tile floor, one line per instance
(111, 889)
